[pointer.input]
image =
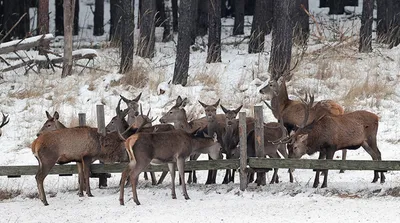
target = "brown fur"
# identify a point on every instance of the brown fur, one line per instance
(332, 133)
(163, 147)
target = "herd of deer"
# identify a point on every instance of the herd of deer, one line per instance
(304, 127)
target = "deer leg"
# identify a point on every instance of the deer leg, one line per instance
(145, 176)
(124, 177)
(290, 175)
(322, 155)
(275, 177)
(232, 179)
(134, 176)
(81, 179)
(164, 173)
(153, 178)
(329, 156)
(227, 176)
(181, 168)
(344, 155)
(42, 172)
(375, 155)
(171, 167)
(86, 171)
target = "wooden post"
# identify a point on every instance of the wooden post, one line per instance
(243, 150)
(82, 119)
(259, 140)
(101, 128)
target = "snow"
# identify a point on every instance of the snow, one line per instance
(327, 71)
(27, 40)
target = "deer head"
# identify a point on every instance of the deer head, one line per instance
(4, 122)
(230, 115)
(52, 123)
(177, 113)
(211, 110)
(118, 121)
(133, 105)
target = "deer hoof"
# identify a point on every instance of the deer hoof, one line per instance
(121, 202)
(90, 195)
(187, 198)
(137, 202)
(80, 194)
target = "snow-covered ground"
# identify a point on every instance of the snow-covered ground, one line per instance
(331, 69)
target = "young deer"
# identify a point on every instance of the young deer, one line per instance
(172, 147)
(4, 122)
(52, 123)
(291, 111)
(134, 119)
(330, 133)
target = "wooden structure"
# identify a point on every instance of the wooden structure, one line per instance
(244, 164)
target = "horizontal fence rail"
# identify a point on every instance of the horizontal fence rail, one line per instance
(15, 171)
(253, 163)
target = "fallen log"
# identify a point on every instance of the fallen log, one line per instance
(25, 44)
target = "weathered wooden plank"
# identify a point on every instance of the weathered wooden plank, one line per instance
(25, 44)
(243, 150)
(324, 164)
(118, 167)
(259, 140)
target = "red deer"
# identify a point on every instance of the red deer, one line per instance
(177, 116)
(52, 123)
(172, 147)
(4, 122)
(134, 119)
(292, 111)
(330, 133)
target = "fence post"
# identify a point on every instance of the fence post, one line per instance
(82, 119)
(243, 150)
(259, 139)
(101, 128)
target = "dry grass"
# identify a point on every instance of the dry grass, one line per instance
(208, 76)
(137, 77)
(27, 93)
(9, 194)
(368, 89)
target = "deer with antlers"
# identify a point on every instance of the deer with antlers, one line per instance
(292, 111)
(330, 133)
(4, 122)
(134, 119)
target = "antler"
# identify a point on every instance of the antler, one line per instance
(5, 120)
(308, 102)
(285, 138)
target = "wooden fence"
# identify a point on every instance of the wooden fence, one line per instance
(244, 164)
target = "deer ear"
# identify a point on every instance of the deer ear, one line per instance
(178, 101)
(56, 115)
(202, 104)
(217, 103)
(184, 102)
(238, 109)
(224, 109)
(124, 99)
(303, 138)
(138, 97)
(48, 115)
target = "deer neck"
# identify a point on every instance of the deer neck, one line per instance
(282, 98)
(183, 124)
(59, 125)
(212, 126)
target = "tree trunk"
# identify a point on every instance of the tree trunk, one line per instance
(127, 43)
(2, 30)
(394, 28)
(115, 21)
(43, 17)
(281, 48)
(259, 27)
(381, 21)
(59, 18)
(69, 10)
(202, 17)
(183, 47)
(174, 15)
(145, 47)
(366, 27)
(336, 7)
(214, 34)
(13, 11)
(76, 18)
(301, 23)
(160, 15)
(238, 26)
(193, 18)
(168, 22)
(98, 29)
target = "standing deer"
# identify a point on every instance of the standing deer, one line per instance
(172, 147)
(177, 116)
(134, 119)
(4, 122)
(330, 133)
(292, 111)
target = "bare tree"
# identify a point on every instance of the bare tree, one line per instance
(167, 24)
(98, 20)
(174, 15)
(59, 18)
(300, 20)
(183, 47)
(238, 26)
(214, 32)
(259, 27)
(281, 48)
(69, 10)
(382, 23)
(43, 20)
(127, 43)
(145, 47)
(202, 17)
(115, 21)
(193, 18)
(366, 27)
(394, 28)
(76, 18)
